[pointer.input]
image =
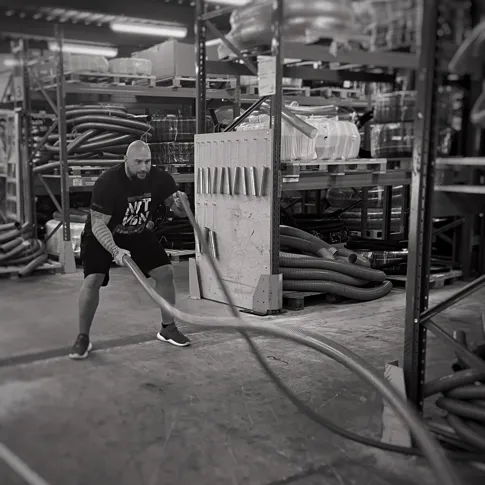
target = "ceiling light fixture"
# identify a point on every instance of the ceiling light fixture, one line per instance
(234, 3)
(95, 50)
(176, 31)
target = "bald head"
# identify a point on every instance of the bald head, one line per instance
(138, 160)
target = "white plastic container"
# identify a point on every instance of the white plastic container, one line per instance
(54, 243)
(336, 140)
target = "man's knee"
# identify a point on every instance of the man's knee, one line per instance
(163, 274)
(93, 282)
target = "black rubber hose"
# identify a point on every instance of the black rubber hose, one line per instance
(103, 144)
(346, 291)
(72, 107)
(112, 127)
(76, 113)
(8, 226)
(466, 432)
(36, 249)
(453, 381)
(356, 271)
(324, 249)
(103, 136)
(433, 452)
(83, 137)
(6, 247)
(109, 120)
(14, 252)
(339, 251)
(465, 409)
(468, 392)
(321, 275)
(30, 267)
(7, 236)
(306, 246)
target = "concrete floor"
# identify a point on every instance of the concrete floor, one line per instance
(140, 412)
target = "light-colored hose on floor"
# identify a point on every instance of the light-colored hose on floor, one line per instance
(445, 472)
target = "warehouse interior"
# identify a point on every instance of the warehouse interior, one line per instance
(329, 262)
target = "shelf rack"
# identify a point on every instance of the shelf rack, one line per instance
(420, 176)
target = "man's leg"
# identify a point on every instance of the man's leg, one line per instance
(150, 256)
(96, 263)
(165, 287)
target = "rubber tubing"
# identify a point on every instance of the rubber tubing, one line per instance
(5, 248)
(8, 226)
(113, 127)
(352, 257)
(432, 451)
(461, 408)
(306, 246)
(76, 113)
(368, 274)
(110, 120)
(321, 274)
(458, 379)
(466, 432)
(347, 291)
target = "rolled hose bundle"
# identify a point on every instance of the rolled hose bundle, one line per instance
(97, 132)
(462, 396)
(19, 250)
(328, 269)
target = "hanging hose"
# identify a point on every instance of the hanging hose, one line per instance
(443, 469)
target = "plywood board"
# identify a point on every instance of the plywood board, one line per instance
(236, 207)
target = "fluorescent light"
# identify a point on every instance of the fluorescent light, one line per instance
(235, 3)
(95, 50)
(176, 31)
(11, 62)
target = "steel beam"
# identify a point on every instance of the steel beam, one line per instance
(143, 9)
(200, 69)
(420, 225)
(66, 253)
(276, 109)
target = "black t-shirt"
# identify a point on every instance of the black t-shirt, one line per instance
(129, 202)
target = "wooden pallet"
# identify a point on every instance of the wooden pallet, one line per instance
(102, 79)
(436, 280)
(338, 167)
(287, 90)
(344, 167)
(295, 300)
(339, 93)
(177, 255)
(191, 82)
(12, 272)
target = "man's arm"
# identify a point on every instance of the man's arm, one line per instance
(101, 231)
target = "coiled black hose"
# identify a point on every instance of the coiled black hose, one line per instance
(19, 251)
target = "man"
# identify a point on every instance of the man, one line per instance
(123, 200)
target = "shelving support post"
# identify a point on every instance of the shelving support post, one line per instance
(420, 223)
(66, 256)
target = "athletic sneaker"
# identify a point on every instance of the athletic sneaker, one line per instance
(172, 335)
(81, 348)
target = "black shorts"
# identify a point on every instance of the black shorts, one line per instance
(146, 251)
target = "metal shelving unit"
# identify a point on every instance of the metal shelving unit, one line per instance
(420, 176)
(302, 52)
